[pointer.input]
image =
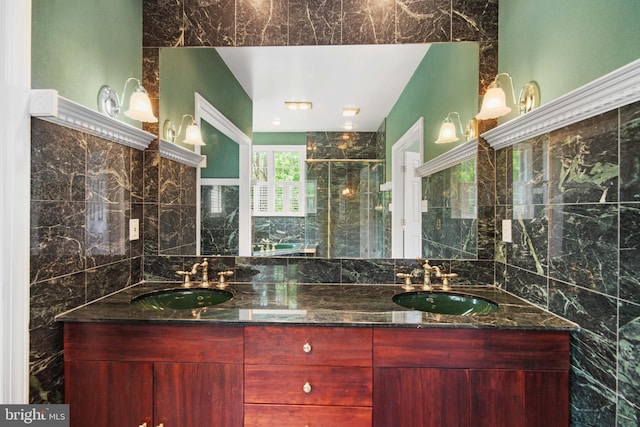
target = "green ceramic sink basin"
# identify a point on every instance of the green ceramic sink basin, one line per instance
(181, 298)
(446, 303)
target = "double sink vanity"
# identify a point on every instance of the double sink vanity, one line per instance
(286, 354)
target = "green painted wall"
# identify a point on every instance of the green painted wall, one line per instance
(80, 45)
(222, 153)
(565, 44)
(446, 80)
(184, 71)
(279, 138)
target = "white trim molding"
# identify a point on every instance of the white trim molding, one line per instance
(47, 105)
(174, 152)
(453, 157)
(206, 111)
(611, 91)
(15, 182)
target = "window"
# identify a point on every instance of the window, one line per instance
(278, 186)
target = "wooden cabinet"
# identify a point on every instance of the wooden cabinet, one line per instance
(297, 376)
(466, 377)
(132, 375)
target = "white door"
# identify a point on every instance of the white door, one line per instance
(412, 228)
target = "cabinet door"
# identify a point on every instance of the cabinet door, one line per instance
(107, 394)
(197, 394)
(505, 398)
(421, 397)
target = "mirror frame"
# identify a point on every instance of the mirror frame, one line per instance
(207, 112)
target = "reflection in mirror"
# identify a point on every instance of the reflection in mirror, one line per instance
(347, 215)
(450, 224)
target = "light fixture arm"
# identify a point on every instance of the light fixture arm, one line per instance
(193, 121)
(448, 119)
(124, 89)
(513, 89)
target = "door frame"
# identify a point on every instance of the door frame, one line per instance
(404, 143)
(206, 111)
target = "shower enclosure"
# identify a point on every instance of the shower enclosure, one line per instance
(346, 211)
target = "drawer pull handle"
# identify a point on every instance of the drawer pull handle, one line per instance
(306, 348)
(306, 388)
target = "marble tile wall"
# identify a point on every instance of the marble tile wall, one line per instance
(573, 197)
(170, 23)
(84, 190)
(318, 270)
(219, 230)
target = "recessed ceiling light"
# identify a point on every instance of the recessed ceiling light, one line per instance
(348, 125)
(275, 122)
(294, 105)
(350, 111)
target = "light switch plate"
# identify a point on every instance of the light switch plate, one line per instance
(134, 229)
(506, 230)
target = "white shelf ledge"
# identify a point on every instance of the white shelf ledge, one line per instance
(47, 105)
(180, 154)
(453, 157)
(611, 91)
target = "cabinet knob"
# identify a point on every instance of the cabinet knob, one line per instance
(306, 388)
(306, 347)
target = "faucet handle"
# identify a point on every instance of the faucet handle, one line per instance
(446, 280)
(222, 275)
(407, 280)
(186, 280)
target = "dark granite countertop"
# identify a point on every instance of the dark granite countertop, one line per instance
(320, 305)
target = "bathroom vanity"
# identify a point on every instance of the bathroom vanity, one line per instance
(314, 355)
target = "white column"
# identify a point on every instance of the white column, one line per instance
(15, 142)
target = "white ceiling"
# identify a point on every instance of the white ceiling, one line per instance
(370, 77)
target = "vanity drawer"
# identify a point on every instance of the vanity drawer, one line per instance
(297, 345)
(301, 416)
(326, 385)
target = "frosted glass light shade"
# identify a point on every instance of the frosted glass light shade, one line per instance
(140, 107)
(447, 133)
(193, 136)
(494, 104)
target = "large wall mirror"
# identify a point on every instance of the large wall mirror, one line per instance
(342, 206)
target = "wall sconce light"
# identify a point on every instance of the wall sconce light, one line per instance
(192, 135)
(109, 102)
(448, 130)
(494, 103)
